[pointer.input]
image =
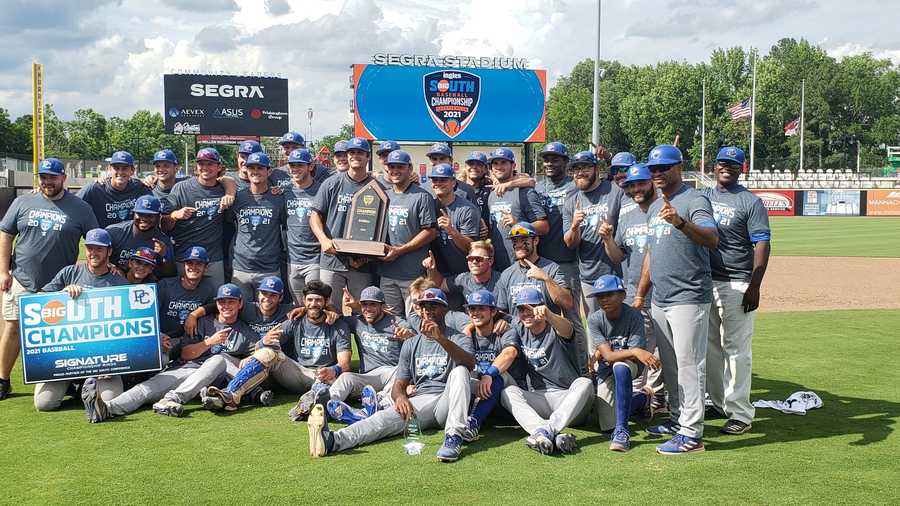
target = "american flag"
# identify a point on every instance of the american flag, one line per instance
(740, 110)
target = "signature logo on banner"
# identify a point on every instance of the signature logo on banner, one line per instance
(452, 99)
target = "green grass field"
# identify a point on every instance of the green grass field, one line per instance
(843, 453)
(829, 236)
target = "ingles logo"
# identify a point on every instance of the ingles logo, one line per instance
(452, 99)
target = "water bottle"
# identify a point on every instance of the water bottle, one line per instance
(413, 441)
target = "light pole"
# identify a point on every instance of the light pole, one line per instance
(595, 127)
(309, 117)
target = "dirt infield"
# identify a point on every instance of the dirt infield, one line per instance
(818, 283)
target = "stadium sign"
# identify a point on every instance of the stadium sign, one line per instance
(428, 60)
(104, 331)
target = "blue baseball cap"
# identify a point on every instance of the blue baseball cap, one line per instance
(607, 283)
(481, 297)
(248, 147)
(372, 294)
(664, 154)
(196, 253)
(529, 297)
(340, 147)
(555, 148)
(209, 154)
(623, 159)
(291, 138)
(271, 284)
(441, 170)
(387, 147)
(259, 159)
(502, 154)
(477, 156)
(434, 295)
(228, 291)
(121, 158)
(440, 148)
(147, 204)
(637, 172)
(144, 254)
(301, 155)
(52, 166)
(97, 237)
(398, 157)
(584, 158)
(522, 229)
(359, 144)
(731, 154)
(165, 155)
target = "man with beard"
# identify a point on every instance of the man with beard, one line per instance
(588, 217)
(458, 223)
(436, 363)
(558, 395)
(143, 231)
(113, 201)
(411, 228)
(683, 232)
(627, 249)
(74, 279)
(738, 266)
(46, 228)
(302, 245)
(477, 177)
(511, 207)
(177, 297)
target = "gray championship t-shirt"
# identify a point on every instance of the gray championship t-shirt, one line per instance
(257, 240)
(457, 321)
(205, 227)
(80, 275)
(302, 246)
(408, 213)
(464, 284)
(514, 279)
(679, 267)
(524, 204)
(426, 364)
(553, 196)
(622, 334)
(547, 359)
(333, 203)
(124, 243)
(312, 345)
(743, 221)
(47, 233)
(632, 236)
(599, 205)
(241, 339)
(111, 205)
(465, 217)
(375, 342)
(260, 323)
(163, 193)
(176, 303)
(487, 348)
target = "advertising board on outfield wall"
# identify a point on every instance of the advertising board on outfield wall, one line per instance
(831, 202)
(883, 202)
(778, 202)
(408, 103)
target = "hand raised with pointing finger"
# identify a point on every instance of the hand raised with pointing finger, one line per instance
(605, 231)
(443, 220)
(535, 272)
(668, 212)
(578, 215)
(348, 299)
(429, 262)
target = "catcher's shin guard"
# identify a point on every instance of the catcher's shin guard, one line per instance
(254, 372)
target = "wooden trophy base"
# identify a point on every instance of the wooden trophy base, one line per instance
(360, 248)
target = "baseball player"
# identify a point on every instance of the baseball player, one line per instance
(379, 337)
(456, 320)
(458, 221)
(112, 201)
(683, 231)
(289, 142)
(618, 166)
(143, 231)
(441, 154)
(480, 273)
(74, 279)
(738, 266)
(341, 164)
(179, 296)
(165, 172)
(558, 394)
(46, 227)
(302, 245)
(245, 149)
(436, 364)
(384, 149)
(620, 354)
(140, 266)
(477, 176)
(511, 207)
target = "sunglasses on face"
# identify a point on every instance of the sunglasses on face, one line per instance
(477, 259)
(728, 165)
(658, 169)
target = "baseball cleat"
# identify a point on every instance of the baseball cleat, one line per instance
(211, 398)
(321, 439)
(168, 407)
(451, 449)
(343, 412)
(540, 442)
(666, 428)
(266, 398)
(94, 408)
(5, 389)
(565, 443)
(620, 440)
(315, 395)
(470, 433)
(735, 427)
(369, 399)
(680, 444)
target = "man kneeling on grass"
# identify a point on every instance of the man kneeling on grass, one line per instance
(436, 363)
(617, 331)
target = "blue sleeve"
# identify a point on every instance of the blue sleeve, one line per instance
(758, 222)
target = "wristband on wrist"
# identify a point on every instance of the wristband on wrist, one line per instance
(683, 223)
(493, 371)
(337, 370)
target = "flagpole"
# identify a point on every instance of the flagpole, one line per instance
(595, 127)
(753, 117)
(802, 110)
(703, 131)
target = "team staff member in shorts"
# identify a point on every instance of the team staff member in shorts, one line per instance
(302, 245)
(143, 231)
(113, 200)
(738, 266)
(683, 232)
(74, 279)
(46, 227)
